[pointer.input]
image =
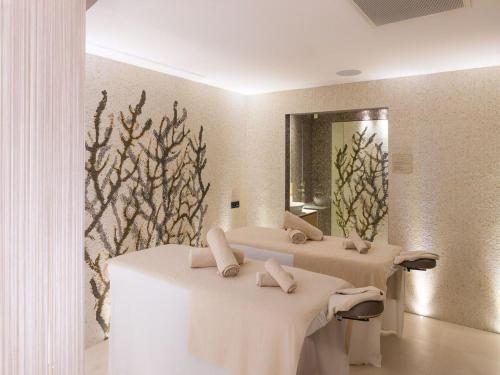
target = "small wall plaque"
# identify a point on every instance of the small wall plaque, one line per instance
(402, 163)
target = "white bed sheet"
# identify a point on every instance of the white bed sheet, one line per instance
(365, 337)
(149, 332)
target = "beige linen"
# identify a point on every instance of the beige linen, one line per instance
(327, 256)
(275, 324)
(226, 262)
(294, 222)
(201, 257)
(278, 273)
(296, 236)
(358, 242)
(264, 279)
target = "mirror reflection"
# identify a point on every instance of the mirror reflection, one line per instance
(338, 171)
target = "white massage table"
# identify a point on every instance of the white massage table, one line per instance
(151, 310)
(329, 257)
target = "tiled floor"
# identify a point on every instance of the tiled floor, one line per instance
(428, 347)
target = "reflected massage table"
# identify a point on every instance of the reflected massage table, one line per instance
(329, 257)
(168, 318)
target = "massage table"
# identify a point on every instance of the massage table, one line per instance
(167, 318)
(329, 257)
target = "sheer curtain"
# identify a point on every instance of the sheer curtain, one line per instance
(41, 186)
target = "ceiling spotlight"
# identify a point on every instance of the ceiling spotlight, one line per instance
(349, 72)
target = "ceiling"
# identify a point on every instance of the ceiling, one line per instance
(255, 46)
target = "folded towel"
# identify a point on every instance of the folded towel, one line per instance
(264, 279)
(346, 299)
(358, 242)
(364, 289)
(414, 255)
(202, 257)
(348, 244)
(226, 262)
(294, 222)
(279, 274)
(297, 236)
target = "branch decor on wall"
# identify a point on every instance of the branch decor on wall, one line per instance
(360, 196)
(144, 188)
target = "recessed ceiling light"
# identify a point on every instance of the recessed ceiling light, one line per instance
(349, 72)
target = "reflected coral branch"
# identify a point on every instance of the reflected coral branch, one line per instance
(361, 190)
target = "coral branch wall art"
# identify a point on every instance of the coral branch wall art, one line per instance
(144, 187)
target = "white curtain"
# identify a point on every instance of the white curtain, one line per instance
(41, 186)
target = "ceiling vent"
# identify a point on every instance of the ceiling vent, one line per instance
(382, 12)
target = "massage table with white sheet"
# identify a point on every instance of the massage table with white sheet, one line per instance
(329, 257)
(167, 318)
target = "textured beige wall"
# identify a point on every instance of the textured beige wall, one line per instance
(450, 123)
(450, 204)
(221, 113)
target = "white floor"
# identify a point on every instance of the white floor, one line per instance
(428, 347)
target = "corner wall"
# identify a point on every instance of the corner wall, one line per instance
(450, 204)
(449, 122)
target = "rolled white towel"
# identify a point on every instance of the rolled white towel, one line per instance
(297, 236)
(264, 279)
(346, 299)
(358, 242)
(348, 244)
(294, 222)
(224, 257)
(202, 257)
(414, 255)
(279, 274)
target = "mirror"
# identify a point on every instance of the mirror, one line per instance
(337, 171)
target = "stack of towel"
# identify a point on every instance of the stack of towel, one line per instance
(228, 262)
(300, 230)
(346, 299)
(219, 255)
(276, 276)
(356, 242)
(414, 255)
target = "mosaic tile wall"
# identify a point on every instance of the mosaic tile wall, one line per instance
(219, 112)
(450, 203)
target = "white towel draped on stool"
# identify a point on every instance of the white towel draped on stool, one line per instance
(294, 222)
(346, 299)
(226, 262)
(364, 289)
(414, 255)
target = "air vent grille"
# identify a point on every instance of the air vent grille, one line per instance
(382, 12)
